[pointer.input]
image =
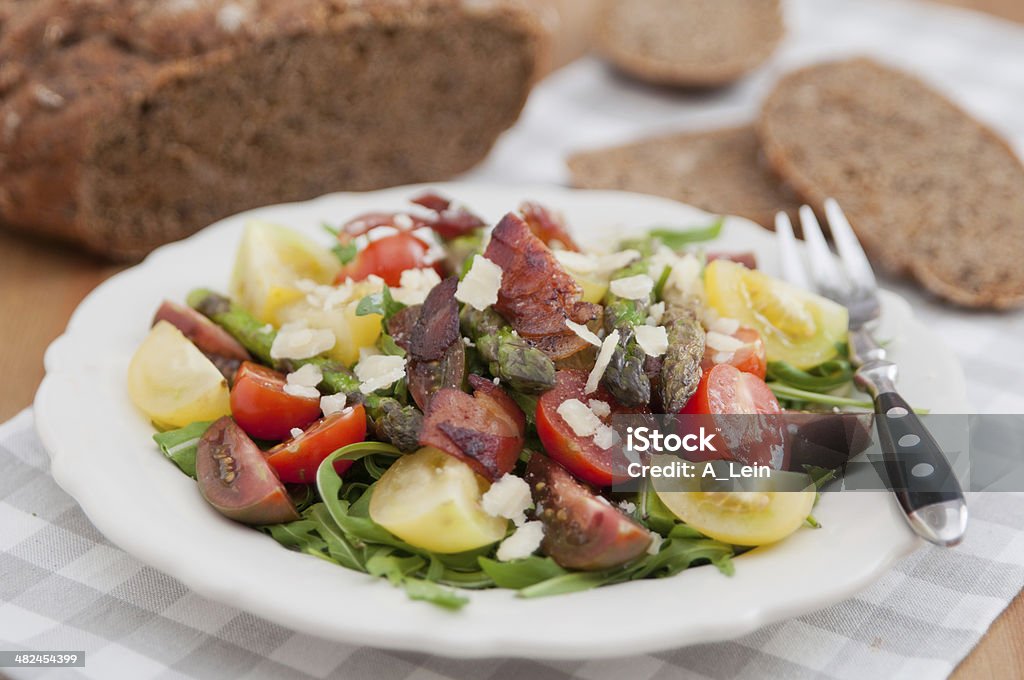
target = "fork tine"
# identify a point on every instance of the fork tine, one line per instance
(824, 269)
(792, 264)
(855, 262)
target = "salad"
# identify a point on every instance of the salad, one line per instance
(429, 400)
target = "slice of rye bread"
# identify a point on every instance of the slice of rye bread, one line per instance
(930, 191)
(688, 43)
(125, 124)
(717, 170)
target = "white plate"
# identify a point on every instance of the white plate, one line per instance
(104, 457)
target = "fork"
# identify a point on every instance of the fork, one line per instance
(918, 473)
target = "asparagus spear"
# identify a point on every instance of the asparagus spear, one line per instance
(680, 369)
(625, 377)
(394, 422)
(521, 366)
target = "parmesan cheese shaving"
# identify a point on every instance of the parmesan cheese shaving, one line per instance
(509, 497)
(653, 340)
(479, 288)
(655, 313)
(583, 332)
(603, 358)
(633, 287)
(724, 325)
(523, 543)
(578, 416)
(723, 343)
(333, 403)
(296, 341)
(379, 371)
(415, 285)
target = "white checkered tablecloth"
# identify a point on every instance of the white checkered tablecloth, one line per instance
(63, 586)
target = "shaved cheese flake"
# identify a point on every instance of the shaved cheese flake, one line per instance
(724, 325)
(333, 403)
(581, 263)
(583, 332)
(479, 288)
(296, 341)
(723, 343)
(603, 359)
(379, 371)
(655, 313)
(416, 284)
(578, 416)
(523, 543)
(653, 340)
(655, 545)
(509, 497)
(600, 408)
(633, 287)
(686, 279)
(302, 391)
(605, 437)
(307, 376)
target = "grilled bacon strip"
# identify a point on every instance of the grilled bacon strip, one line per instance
(537, 295)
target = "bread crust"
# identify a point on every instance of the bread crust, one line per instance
(688, 43)
(931, 192)
(715, 170)
(80, 76)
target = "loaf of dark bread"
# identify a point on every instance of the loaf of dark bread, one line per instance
(930, 191)
(718, 171)
(125, 124)
(688, 43)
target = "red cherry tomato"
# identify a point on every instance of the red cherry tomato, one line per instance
(754, 435)
(579, 455)
(387, 258)
(751, 358)
(296, 461)
(263, 409)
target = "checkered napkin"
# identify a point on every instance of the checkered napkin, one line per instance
(64, 587)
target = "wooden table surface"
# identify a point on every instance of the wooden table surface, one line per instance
(40, 285)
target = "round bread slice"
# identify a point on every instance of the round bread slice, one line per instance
(717, 170)
(930, 191)
(127, 124)
(688, 43)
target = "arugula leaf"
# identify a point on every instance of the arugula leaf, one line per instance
(784, 391)
(428, 591)
(301, 535)
(337, 544)
(387, 345)
(677, 238)
(824, 377)
(379, 303)
(180, 445)
(345, 253)
(522, 573)
(571, 582)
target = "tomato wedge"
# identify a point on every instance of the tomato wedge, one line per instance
(263, 409)
(387, 258)
(755, 435)
(296, 461)
(579, 455)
